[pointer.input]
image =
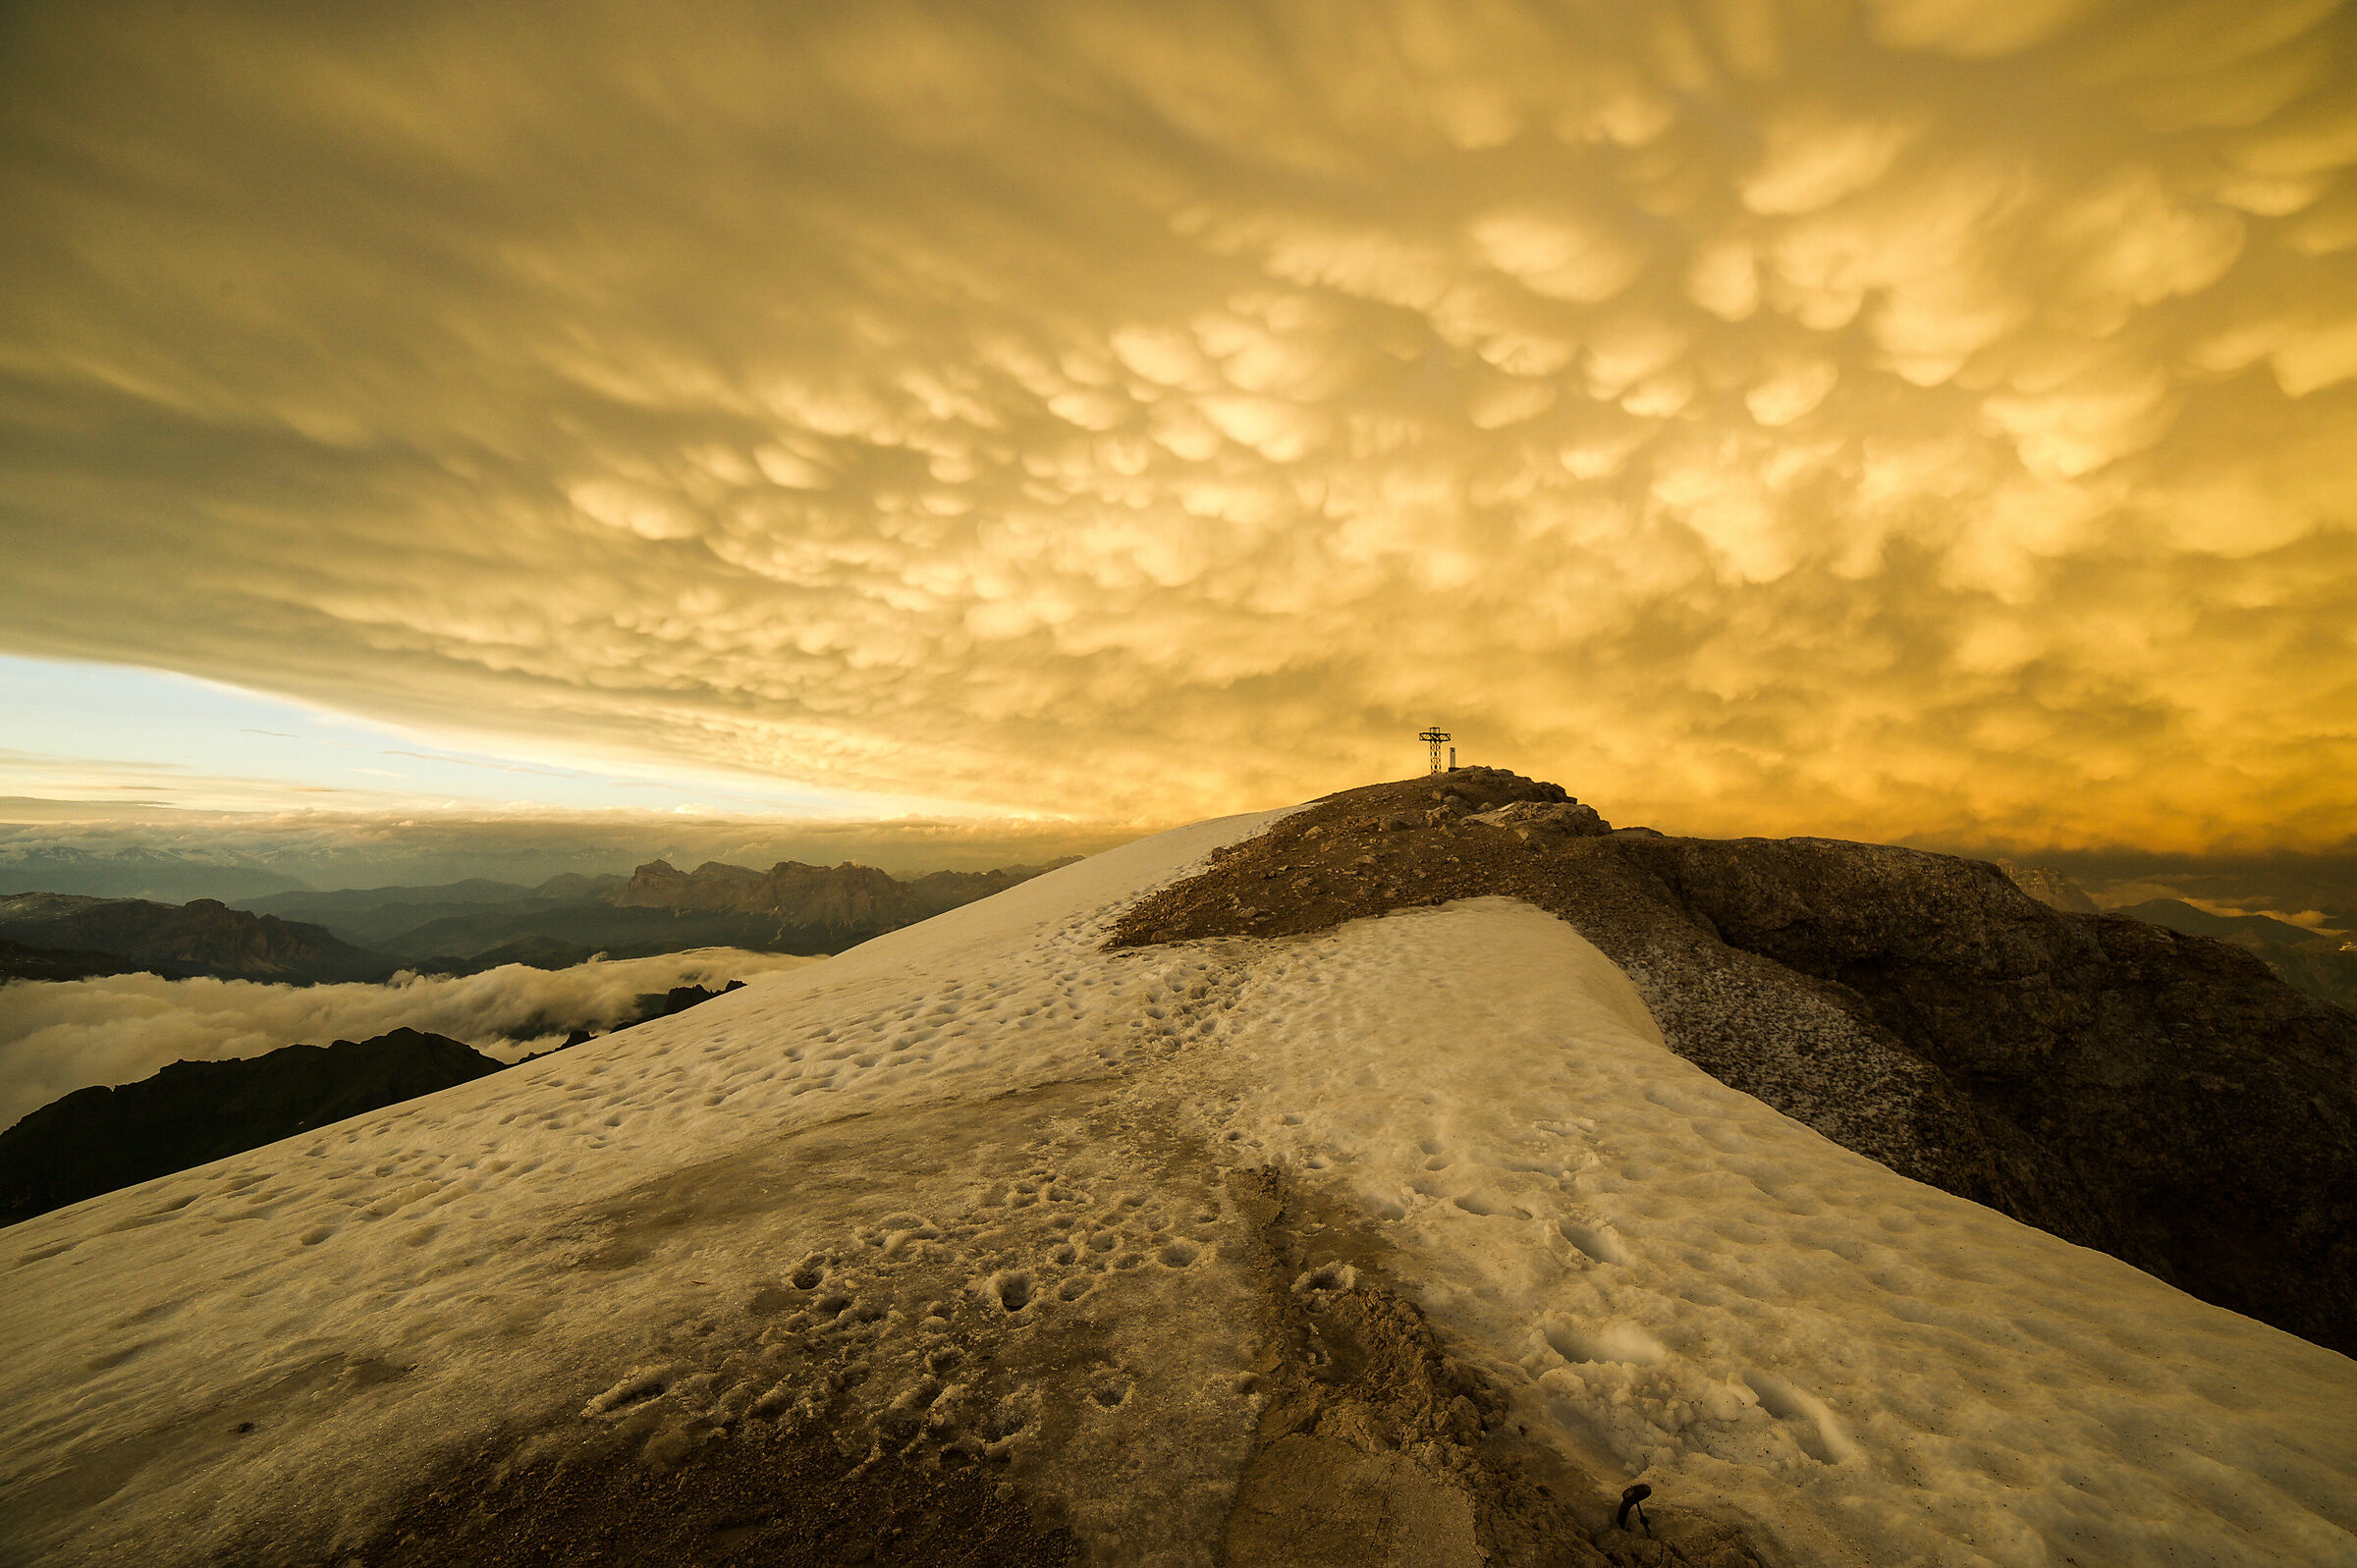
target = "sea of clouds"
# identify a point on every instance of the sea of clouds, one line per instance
(59, 1037)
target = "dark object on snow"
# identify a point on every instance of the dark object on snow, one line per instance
(97, 1140)
(1634, 1498)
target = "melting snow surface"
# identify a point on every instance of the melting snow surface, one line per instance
(1677, 1282)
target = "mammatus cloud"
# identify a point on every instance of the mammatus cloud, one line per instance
(59, 1037)
(1901, 419)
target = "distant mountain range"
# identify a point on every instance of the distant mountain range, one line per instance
(166, 876)
(792, 907)
(2321, 966)
(304, 936)
(202, 936)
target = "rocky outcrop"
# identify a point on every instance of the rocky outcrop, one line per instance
(2158, 1095)
(97, 1140)
(844, 896)
(200, 937)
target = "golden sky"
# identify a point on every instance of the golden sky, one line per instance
(1914, 418)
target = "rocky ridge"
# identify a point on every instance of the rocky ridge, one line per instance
(1400, 1242)
(2157, 1096)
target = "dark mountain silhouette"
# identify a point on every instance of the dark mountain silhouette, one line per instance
(467, 927)
(21, 962)
(96, 1139)
(200, 937)
(792, 907)
(2178, 916)
(363, 917)
(652, 1004)
(573, 886)
(2157, 1095)
(533, 951)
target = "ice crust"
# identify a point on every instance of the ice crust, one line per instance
(1673, 1283)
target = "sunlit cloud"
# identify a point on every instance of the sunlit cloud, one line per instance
(61, 1036)
(1922, 419)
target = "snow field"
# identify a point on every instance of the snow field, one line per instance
(986, 1120)
(449, 1238)
(1699, 1292)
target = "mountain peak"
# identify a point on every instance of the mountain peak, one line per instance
(1415, 1227)
(1919, 1009)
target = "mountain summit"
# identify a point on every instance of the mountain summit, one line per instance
(2143, 1090)
(1334, 1186)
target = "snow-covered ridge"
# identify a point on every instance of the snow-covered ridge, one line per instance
(2071, 1071)
(989, 1164)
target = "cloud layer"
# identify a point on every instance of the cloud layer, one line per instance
(1904, 418)
(59, 1037)
(334, 849)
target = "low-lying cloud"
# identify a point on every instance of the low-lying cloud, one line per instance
(59, 1037)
